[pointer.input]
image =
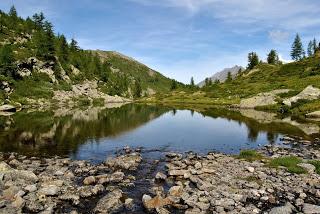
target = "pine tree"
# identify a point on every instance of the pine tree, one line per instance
(62, 49)
(13, 12)
(38, 20)
(315, 47)
(74, 45)
(229, 77)
(7, 67)
(192, 82)
(297, 52)
(310, 50)
(253, 60)
(273, 57)
(137, 89)
(206, 82)
(173, 85)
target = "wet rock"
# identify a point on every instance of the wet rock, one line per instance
(110, 202)
(129, 203)
(160, 176)
(97, 189)
(127, 162)
(156, 202)
(175, 191)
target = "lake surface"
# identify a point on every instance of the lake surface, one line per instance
(97, 132)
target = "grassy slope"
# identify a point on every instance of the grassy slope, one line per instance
(136, 70)
(264, 78)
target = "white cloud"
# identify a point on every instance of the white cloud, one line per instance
(278, 36)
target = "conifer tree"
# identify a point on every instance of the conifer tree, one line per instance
(192, 82)
(229, 77)
(297, 52)
(310, 49)
(253, 60)
(74, 45)
(62, 48)
(7, 61)
(38, 20)
(13, 12)
(137, 89)
(315, 46)
(173, 85)
(273, 57)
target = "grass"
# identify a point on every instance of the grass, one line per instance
(316, 163)
(98, 102)
(290, 162)
(250, 155)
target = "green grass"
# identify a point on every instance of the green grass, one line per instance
(290, 162)
(98, 102)
(316, 163)
(250, 155)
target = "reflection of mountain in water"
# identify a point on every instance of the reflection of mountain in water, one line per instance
(263, 122)
(62, 131)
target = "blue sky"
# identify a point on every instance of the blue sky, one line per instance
(181, 38)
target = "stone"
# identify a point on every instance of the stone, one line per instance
(50, 190)
(308, 167)
(19, 202)
(116, 177)
(128, 203)
(160, 176)
(249, 169)
(175, 191)
(110, 202)
(287, 209)
(31, 188)
(156, 202)
(175, 172)
(311, 209)
(89, 180)
(7, 107)
(309, 93)
(97, 189)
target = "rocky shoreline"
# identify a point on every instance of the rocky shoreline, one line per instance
(188, 183)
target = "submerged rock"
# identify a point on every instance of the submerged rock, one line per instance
(109, 203)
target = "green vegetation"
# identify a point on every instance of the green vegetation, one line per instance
(297, 52)
(21, 39)
(253, 60)
(316, 163)
(290, 162)
(250, 155)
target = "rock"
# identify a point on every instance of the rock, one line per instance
(110, 202)
(315, 114)
(287, 209)
(311, 209)
(249, 169)
(97, 189)
(89, 180)
(308, 167)
(116, 177)
(175, 191)
(19, 202)
(50, 190)
(7, 107)
(4, 167)
(309, 93)
(198, 165)
(262, 99)
(160, 176)
(128, 203)
(175, 172)
(127, 162)
(156, 202)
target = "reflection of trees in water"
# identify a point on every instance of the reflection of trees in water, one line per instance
(192, 112)
(253, 134)
(41, 132)
(272, 138)
(174, 112)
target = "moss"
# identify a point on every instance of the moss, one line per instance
(290, 162)
(250, 155)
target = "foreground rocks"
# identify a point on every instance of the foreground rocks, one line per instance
(57, 185)
(182, 183)
(218, 183)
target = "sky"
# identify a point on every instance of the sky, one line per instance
(181, 38)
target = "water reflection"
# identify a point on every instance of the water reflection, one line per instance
(92, 133)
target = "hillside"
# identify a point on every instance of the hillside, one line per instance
(263, 79)
(222, 75)
(35, 63)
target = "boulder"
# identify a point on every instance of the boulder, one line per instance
(110, 202)
(50, 190)
(9, 108)
(286, 209)
(156, 202)
(309, 93)
(311, 209)
(315, 114)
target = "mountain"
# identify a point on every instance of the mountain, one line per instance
(36, 63)
(222, 75)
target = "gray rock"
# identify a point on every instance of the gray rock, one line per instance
(160, 176)
(311, 209)
(50, 190)
(110, 202)
(287, 209)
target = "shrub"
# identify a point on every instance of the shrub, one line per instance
(290, 162)
(250, 155)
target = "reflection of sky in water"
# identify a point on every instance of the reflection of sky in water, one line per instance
(180, 132)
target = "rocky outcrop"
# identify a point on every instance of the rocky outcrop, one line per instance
(315, 114)
(8, 108)
(89, 90)
(309, 93)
